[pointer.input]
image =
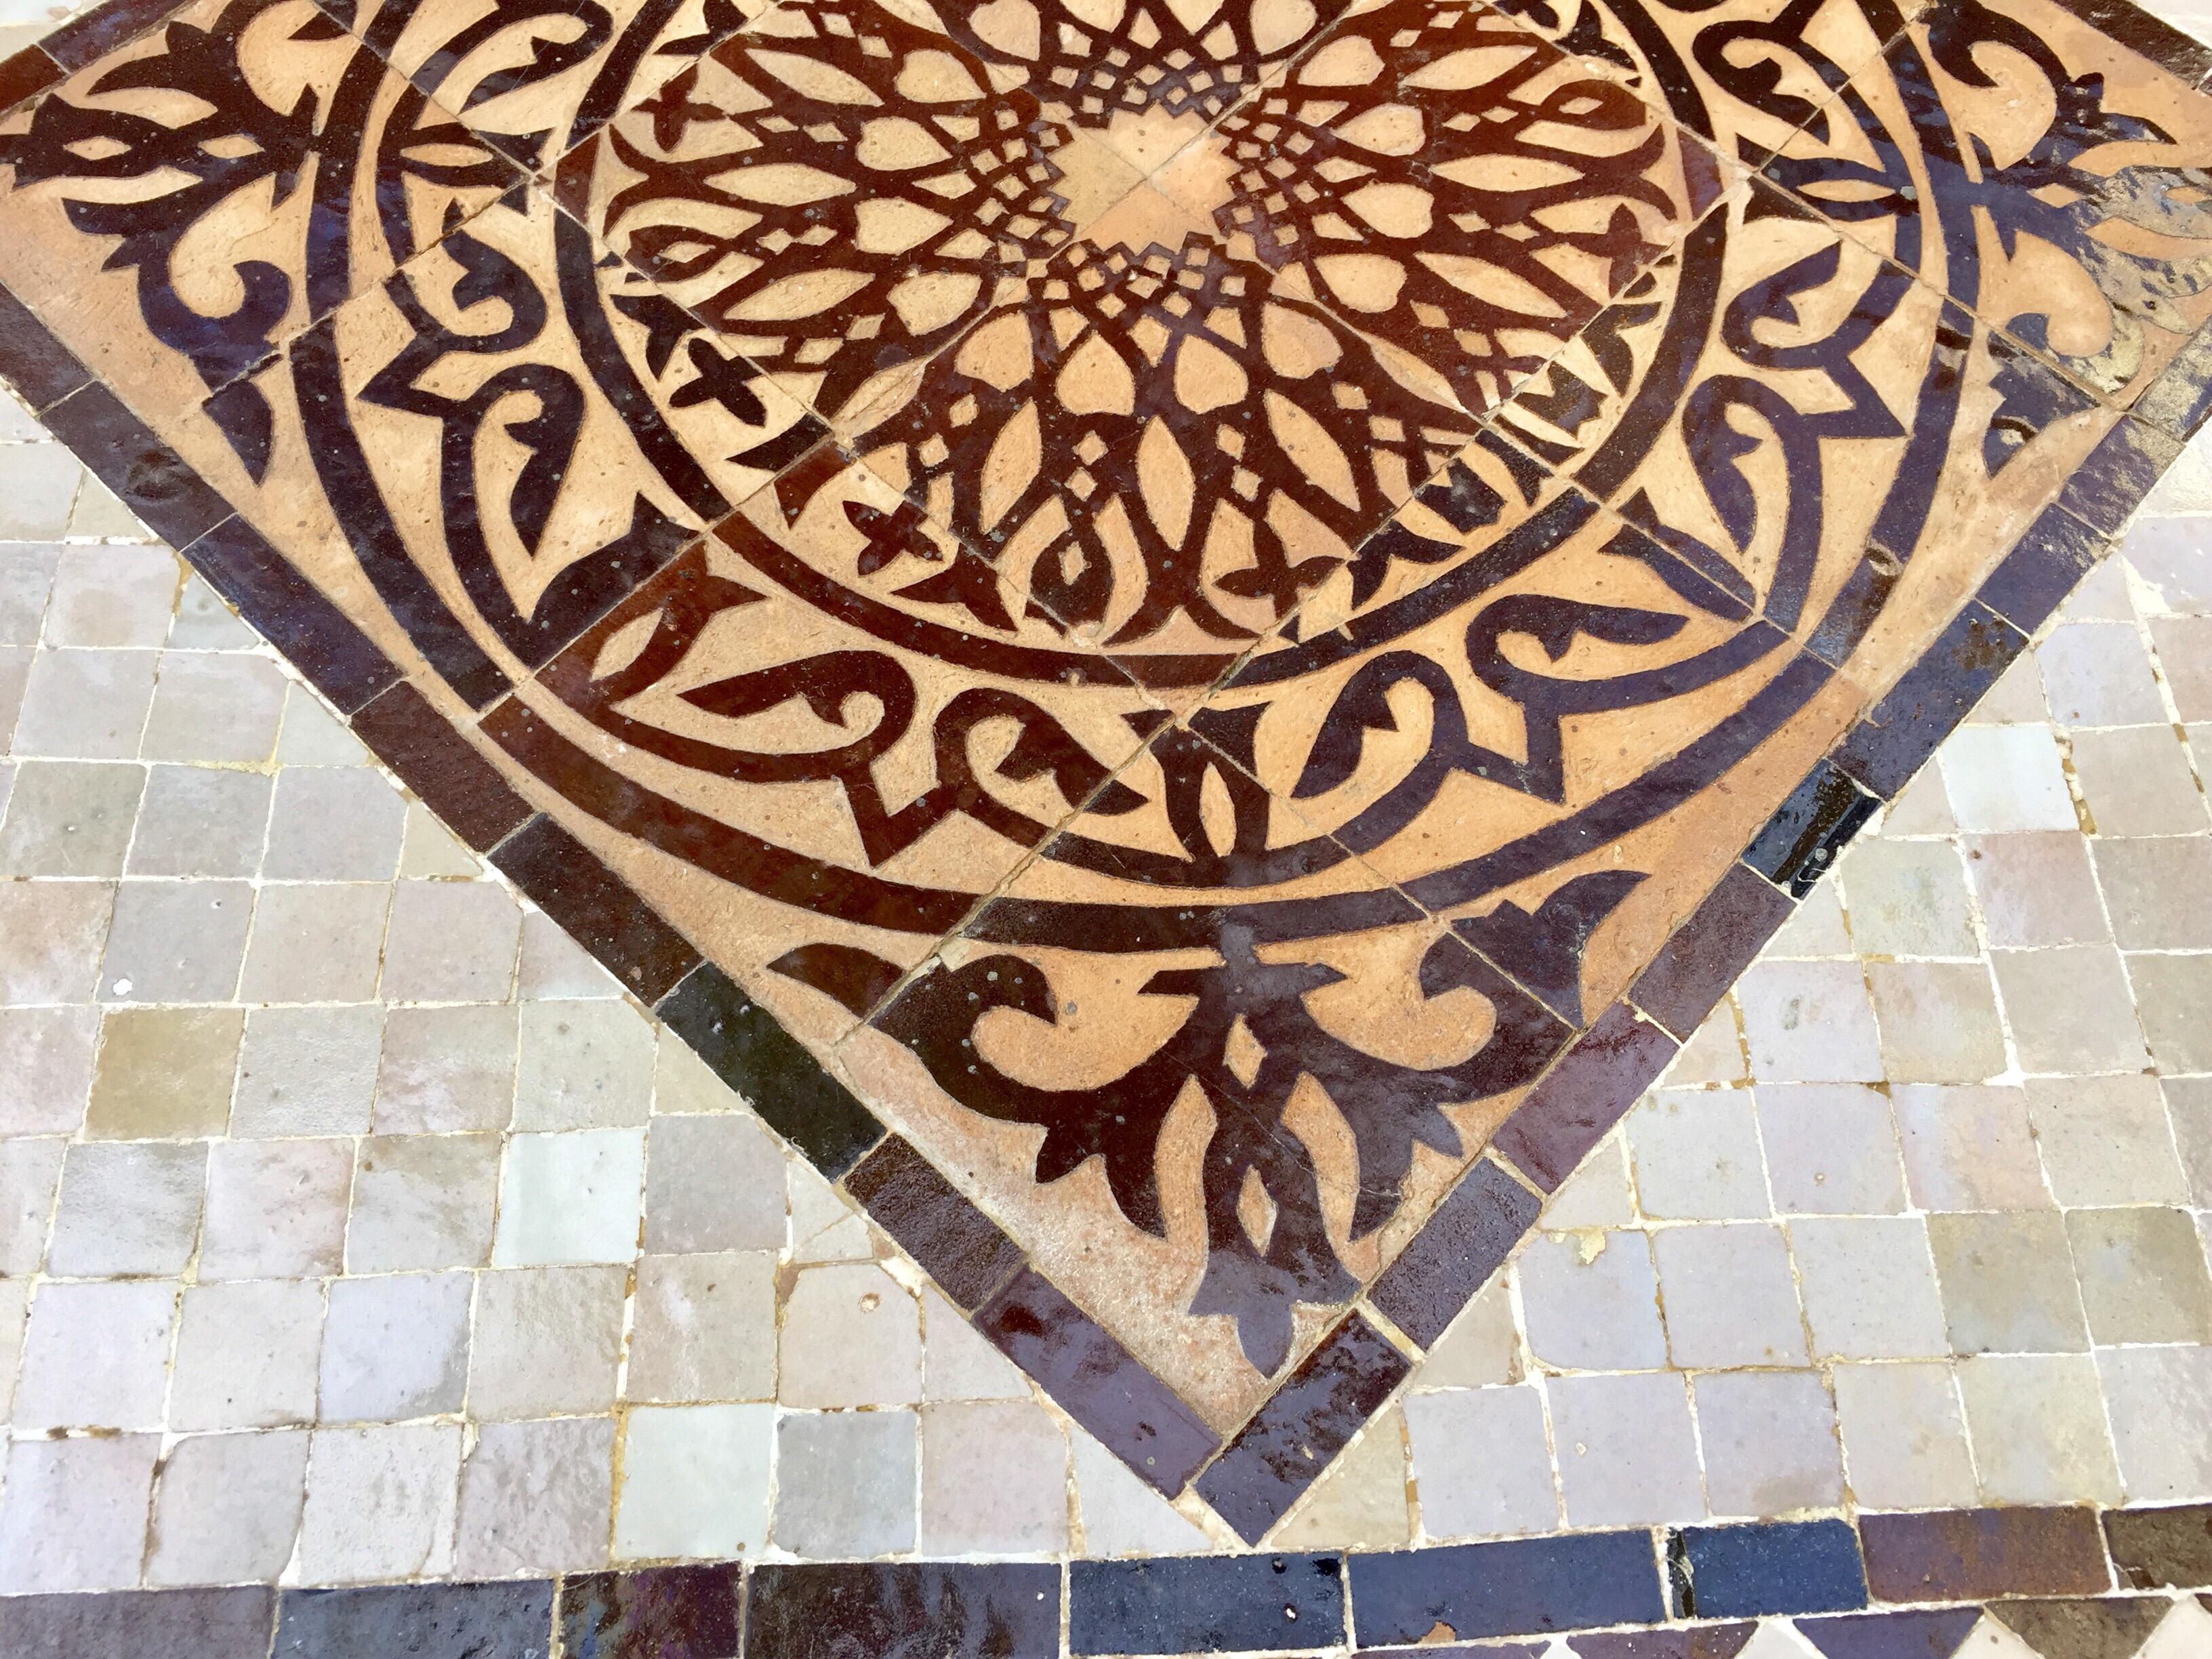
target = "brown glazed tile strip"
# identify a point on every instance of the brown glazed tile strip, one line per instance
(26, 75)
(1304, 1425)
(954, 1243)
(1465, 1241)
(1694, 969)
(1972, 1555)
(93, 34)
(287, 609)
(2169, 1547)
(600, 911)
(1097, 1382)
(454, 780)
(1584, 1094)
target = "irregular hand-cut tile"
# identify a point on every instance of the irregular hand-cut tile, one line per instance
(2175, 993)
(694, 1481)
(275, 1208)
(315, 942)
(333, 823)
(164, 1073)
(1483, 1462)
(214, 708)
(227, 1508)
(545, 1341)
(569, 1197)
(127, 1208)
(69, 818)
(2038, 1425)
(852, 1336)
(1869, 1285)
(1697, 1156)
(2068, 1009)
(1939, 1021)
(713, 1183)
(1969, 1149)
(1480, 1349)
(2143, 1275)
(85, 705)
(446, 1069)
(1904, 1438)
(1809, 1022)
(1730, 1295)
(2007, 1282)
(94, 1356)
(247, 1355)
(703, 1328)
(1770, 1443)
(1595, 1195)
(1627, 1454)
(1830, 1149)
(2136, 780)
(73, 1512)
(536, 1496)
(993, 1479)
(30, 1171)
(1592, 1303)
(307, 1071)
(395, 1347)
(2106, 1140)
(380, 1503)
(584, 1066)
(2165, 1446)
(422, 1201)
(176, 941)
(450, 942)
(845, 1484)
(2160, 889)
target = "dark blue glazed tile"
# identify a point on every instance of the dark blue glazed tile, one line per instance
(421, 1621)
(1584, 1095)
(956, 1244)
(288, 610)
(1694, 969)
(1783, 1566)
(1512, 1588)
(1697, 1642)
(921, 1610)
(2043, 567)
(181, 1624)
(2111, 483)
(1206, 1604)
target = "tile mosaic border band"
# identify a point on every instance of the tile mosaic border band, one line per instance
(1892, 1583)
(1254, 1476)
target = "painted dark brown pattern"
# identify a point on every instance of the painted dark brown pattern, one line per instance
(1156, 622)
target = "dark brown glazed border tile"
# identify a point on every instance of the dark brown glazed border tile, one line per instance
(288, 610)
(149, 477)
(1800, 843)
(1466, 1240)
(2112, 481)
(1694, 969)
(742, 1044)
(27, 74)
(1097, 1382)
(2043, 566)
(954, 1243)
(1006, 1609)
(2169, 1547)
(40, 367)
(1583, 1095)
(1957, 1555)
(1895, 739)
(2181, 398)
(598, 908)
(1310, 1418)
(456, 782)
(660, 1613)
(93, 34)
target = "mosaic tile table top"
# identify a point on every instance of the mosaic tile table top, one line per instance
(1187, 641)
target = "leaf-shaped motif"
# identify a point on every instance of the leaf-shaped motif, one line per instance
(1011, 464)
(1164, 477)
(813, 78)
(1310, 448)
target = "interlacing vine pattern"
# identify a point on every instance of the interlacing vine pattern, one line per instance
(1118, 538)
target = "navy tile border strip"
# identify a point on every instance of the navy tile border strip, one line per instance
(1256, 1474)
(1894, 1573)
